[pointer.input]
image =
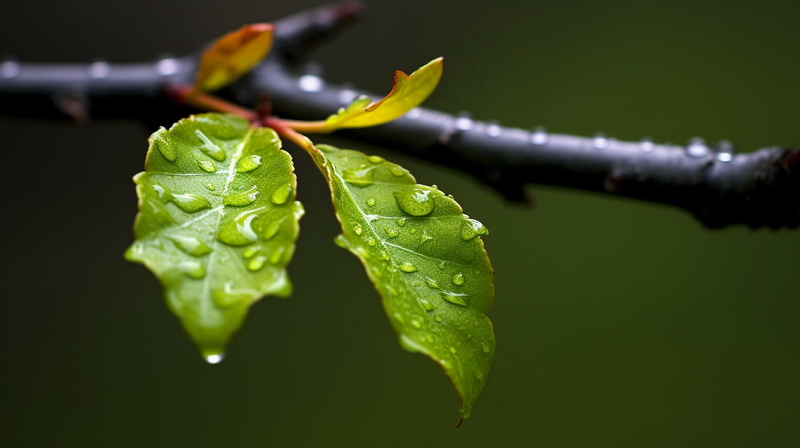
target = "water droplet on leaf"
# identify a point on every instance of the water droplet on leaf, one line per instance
(239, 231)
(371, 202)
(249, 163)
(408, 267)
(281, 194)
(415, 202)
(190, 245)
(358, 229)
(242, 199)
(256, 263)
(207, 166)
(473, 229)
(458, 279)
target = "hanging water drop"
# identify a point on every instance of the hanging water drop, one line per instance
(415, 202)
(215, 359)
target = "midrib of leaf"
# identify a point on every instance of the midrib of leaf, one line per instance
(228, 181)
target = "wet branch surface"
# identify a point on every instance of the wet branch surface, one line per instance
(716, 185)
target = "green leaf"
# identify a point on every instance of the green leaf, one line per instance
(407, 93)
(217, 222)
(425, 258)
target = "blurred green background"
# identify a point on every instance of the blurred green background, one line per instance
(618, 323)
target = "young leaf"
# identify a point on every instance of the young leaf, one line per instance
(217, 222)
(233, 55)
(425, 258)
(407, 93)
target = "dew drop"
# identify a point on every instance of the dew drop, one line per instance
(401, 222)
(190, 245)
(226, 296)
(360, 177)
(391, 233)
(696, 147)
(358, 229)
(371, 202)
(247, 254)
(207, 166)
(452, 349)
(256, 263)
(277, 255)
(600, 141)
(239, 231)
(209, 148)
(408, 267)
(415, 202)
(425, 237)
(281, 194)
(442, 265)
(437, 318)
(646, 145)
(415, 323)
(397, 170)
(426, 304)
(485, 347)
(431, 283)
(192, 269)
(399, 318)
(384, 256)
(242, 199)
(478, 374)
(190, 203)
(210, 187)
(163, 147)
(371, 241)
(725, 150)
(249, 163)
(458, 279)
(457, 299)
(375, 159)
(271, 230)
(539, 136)
(473, 229)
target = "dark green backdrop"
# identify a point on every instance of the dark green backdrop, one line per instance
(618, 323)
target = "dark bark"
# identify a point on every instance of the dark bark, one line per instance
(717, 186)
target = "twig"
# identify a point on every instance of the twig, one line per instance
(717, 186)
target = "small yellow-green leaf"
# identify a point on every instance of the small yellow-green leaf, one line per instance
(407, 93)
(217, 222)
(425, 258)
(233, 55)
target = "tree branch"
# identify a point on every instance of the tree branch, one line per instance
(717, 186)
